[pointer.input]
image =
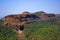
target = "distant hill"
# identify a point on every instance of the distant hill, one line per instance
(45, 16)
(0, 18)
(29, 17)
(17, 19)
(58, 16)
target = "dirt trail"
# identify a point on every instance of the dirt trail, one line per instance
(21, 35)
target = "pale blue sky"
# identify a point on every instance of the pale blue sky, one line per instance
(18, 6)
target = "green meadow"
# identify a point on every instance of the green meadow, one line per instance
(44, 30)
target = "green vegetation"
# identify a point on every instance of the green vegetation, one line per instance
(44, 30)
(7, 33)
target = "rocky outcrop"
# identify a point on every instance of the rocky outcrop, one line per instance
(25, 17)
(57, 18)
(19, 19)
(45, 16)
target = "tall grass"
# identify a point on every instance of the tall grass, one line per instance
(7, 33)
(44, 30)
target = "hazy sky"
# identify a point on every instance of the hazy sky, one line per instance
(18, 6)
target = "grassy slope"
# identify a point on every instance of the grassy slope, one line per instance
(7, 33)
(45, 30)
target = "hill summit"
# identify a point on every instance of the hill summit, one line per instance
(26, 17)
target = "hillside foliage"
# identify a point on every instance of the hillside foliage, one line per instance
(44, 30)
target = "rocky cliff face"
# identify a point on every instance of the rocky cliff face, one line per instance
(58, 18)
(45, 16)
(19, 19)
(25, 17)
